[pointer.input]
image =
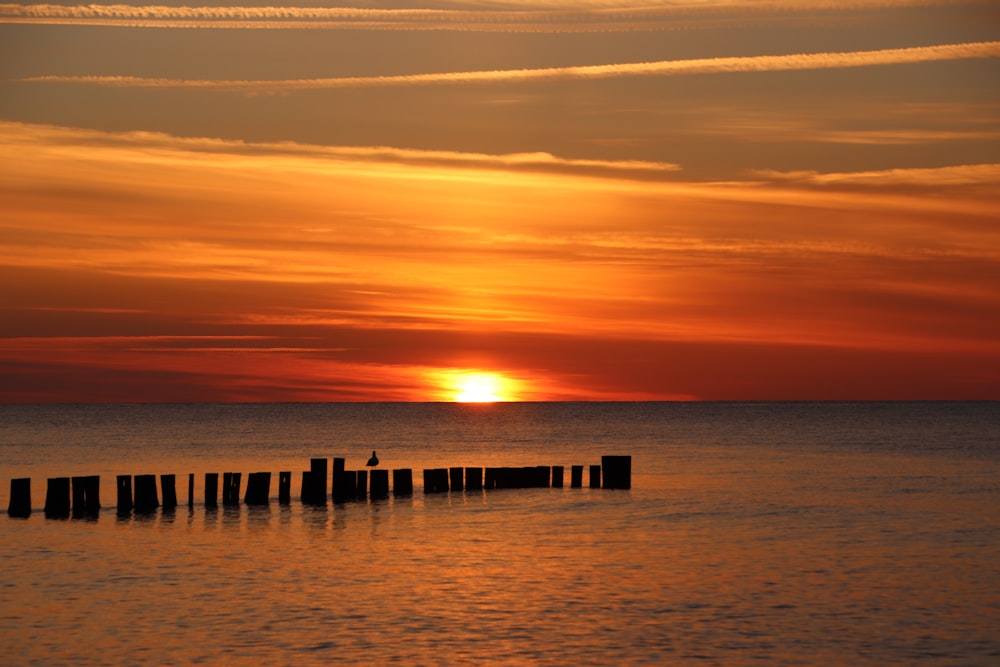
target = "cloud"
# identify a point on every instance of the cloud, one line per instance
(740, 64)
(505, 15)
(969, 174)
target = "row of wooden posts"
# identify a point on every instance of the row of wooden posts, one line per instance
(80, 496)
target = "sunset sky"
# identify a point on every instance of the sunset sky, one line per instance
(481, 200)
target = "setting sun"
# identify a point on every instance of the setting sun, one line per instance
(472, 386)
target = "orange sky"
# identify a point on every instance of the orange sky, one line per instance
(708, 201)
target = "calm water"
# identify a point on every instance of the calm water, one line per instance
(755, 533)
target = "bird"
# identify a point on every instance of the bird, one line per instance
(373, 461)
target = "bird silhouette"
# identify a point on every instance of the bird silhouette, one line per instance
(373, 461)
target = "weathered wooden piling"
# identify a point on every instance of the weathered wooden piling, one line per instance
(91, 494)
(346, 486)
(258, 488)
(474, 479)
(576, 477)
(227, 485)
(168, 489)
(456, 479)
(211, 489)
(57, 497)
(362, 485)
(235, 482)
(595, 477)
(190, 489)
(20, 497)
(402, 482)
(491, 478)
(146, 498)
(543, 477)
(318, 468)
(379, 484)
(285, 487)
(304, 496)
(436, 480)
(79, 494)
(617, 472)
(124, 484)
(557, 477)
(338, 471)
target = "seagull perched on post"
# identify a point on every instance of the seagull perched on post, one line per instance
(373, 461)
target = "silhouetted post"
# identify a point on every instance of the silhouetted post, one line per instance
(457, 481)
(402, 482)
(124, 484)
(338, 471)
(435, 480)
(258, 488)
(169, 490)
(190, 489)
(380, 483)
(57, 497)
(362, 488)
(595, 477)
(227, 485)
(146, 498)
(211, 489)
(318, 469)
(235, 481)
(285, 487)
(491, 478)
(543, 475)
(474, 479)
(617, 472)
(20, 497)
(306, 488)
(576, 477)
(79, 496)
(347, 485)
(557, 477)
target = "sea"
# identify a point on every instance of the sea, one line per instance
(754, 533)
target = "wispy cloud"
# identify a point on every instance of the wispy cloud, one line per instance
(746, 64)
(503, 15)
(969, 174)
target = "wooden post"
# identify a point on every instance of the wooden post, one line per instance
(235, 481)
(457, 481)
(576, 477)
(285, 487)
(211, 489)
(318, 469)
(474, 479)
(227, 485)
(169, 491)
(306, 488)
(595, 477)
(617, 472)
(124, 494)
(57, 497)
(402, 482)
(190, 489)
(361, 490)
(338, 471)
(543, 476)
(79, 496)
(436, 480)
(20, 497)
(557, 477)
(379, 483)
(491, 478)
(146, 498)
(258, 488)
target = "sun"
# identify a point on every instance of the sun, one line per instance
(478, 388)
(468, 385)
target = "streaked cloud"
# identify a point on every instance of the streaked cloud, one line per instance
(502, 16)
(798, 61)
(970, 174)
